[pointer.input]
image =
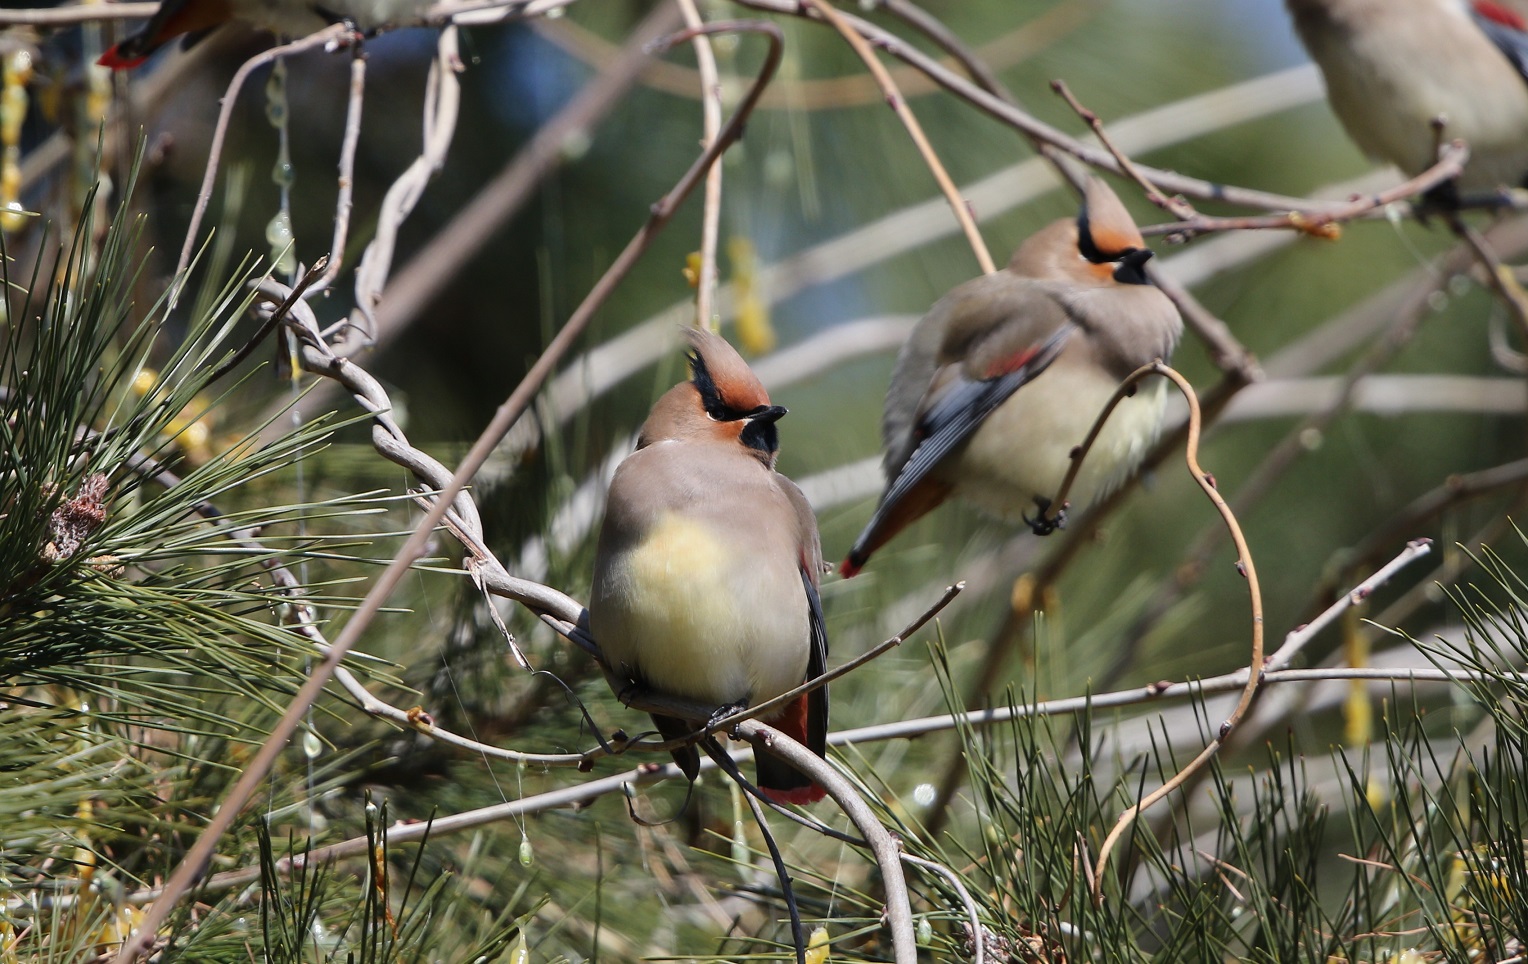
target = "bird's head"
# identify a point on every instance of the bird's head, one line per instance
(1100, 247)
(723, 401)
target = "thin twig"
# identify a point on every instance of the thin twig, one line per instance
(934, 29)
(1501, 280)
(1032, 127)
(810, 94)
(1245, 566)
(220, 132)
(711, 121)
(1154, 692)
(342, 203)
(978, 932)
(898, 103)
(875, 652)
(1176, 206)
(1324, 224)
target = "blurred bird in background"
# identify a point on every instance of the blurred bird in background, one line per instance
(1393, 67)
(286, 18)
(706, 571)
(1006, 374)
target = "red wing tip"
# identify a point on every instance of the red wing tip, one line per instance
(1011, 364)
(1500, 14)
(849, 568)
(113, 59)
(800, 796)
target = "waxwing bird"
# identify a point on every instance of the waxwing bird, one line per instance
(1006, 374)
(1394, 66)
(706, 572)
(288, 18)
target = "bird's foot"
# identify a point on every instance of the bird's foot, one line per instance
(1440, 201)
(724, 711)
(1043, 524)
(632, 691)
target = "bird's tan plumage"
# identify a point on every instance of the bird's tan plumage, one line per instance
(708, 561)
(1006, 373)
(1392, 66)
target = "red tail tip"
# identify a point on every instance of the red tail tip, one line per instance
(800, 796)
(114, 59)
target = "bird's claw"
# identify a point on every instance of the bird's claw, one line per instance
(1044, 524)
(724, 711)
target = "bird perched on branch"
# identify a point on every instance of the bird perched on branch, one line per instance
(1006, 374)
(706, 572)
(287, 18)
(1394, 67)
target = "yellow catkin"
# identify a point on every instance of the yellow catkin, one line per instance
(755, 331)
(817, 946)
(14, 76)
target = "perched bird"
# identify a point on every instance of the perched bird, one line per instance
(706, 572)
(1394, 66)
(1006, 374)
(287, 18)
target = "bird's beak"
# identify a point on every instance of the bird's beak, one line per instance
(1132, 267)
(768, 414)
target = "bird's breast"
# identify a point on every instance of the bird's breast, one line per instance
(1023, 449)
(690, 611)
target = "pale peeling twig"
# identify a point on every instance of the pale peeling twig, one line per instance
(442, 100)
(437, 264)
(316, 355)
(342, 203)
(894, 98)
(220, 132)
(711, 120)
